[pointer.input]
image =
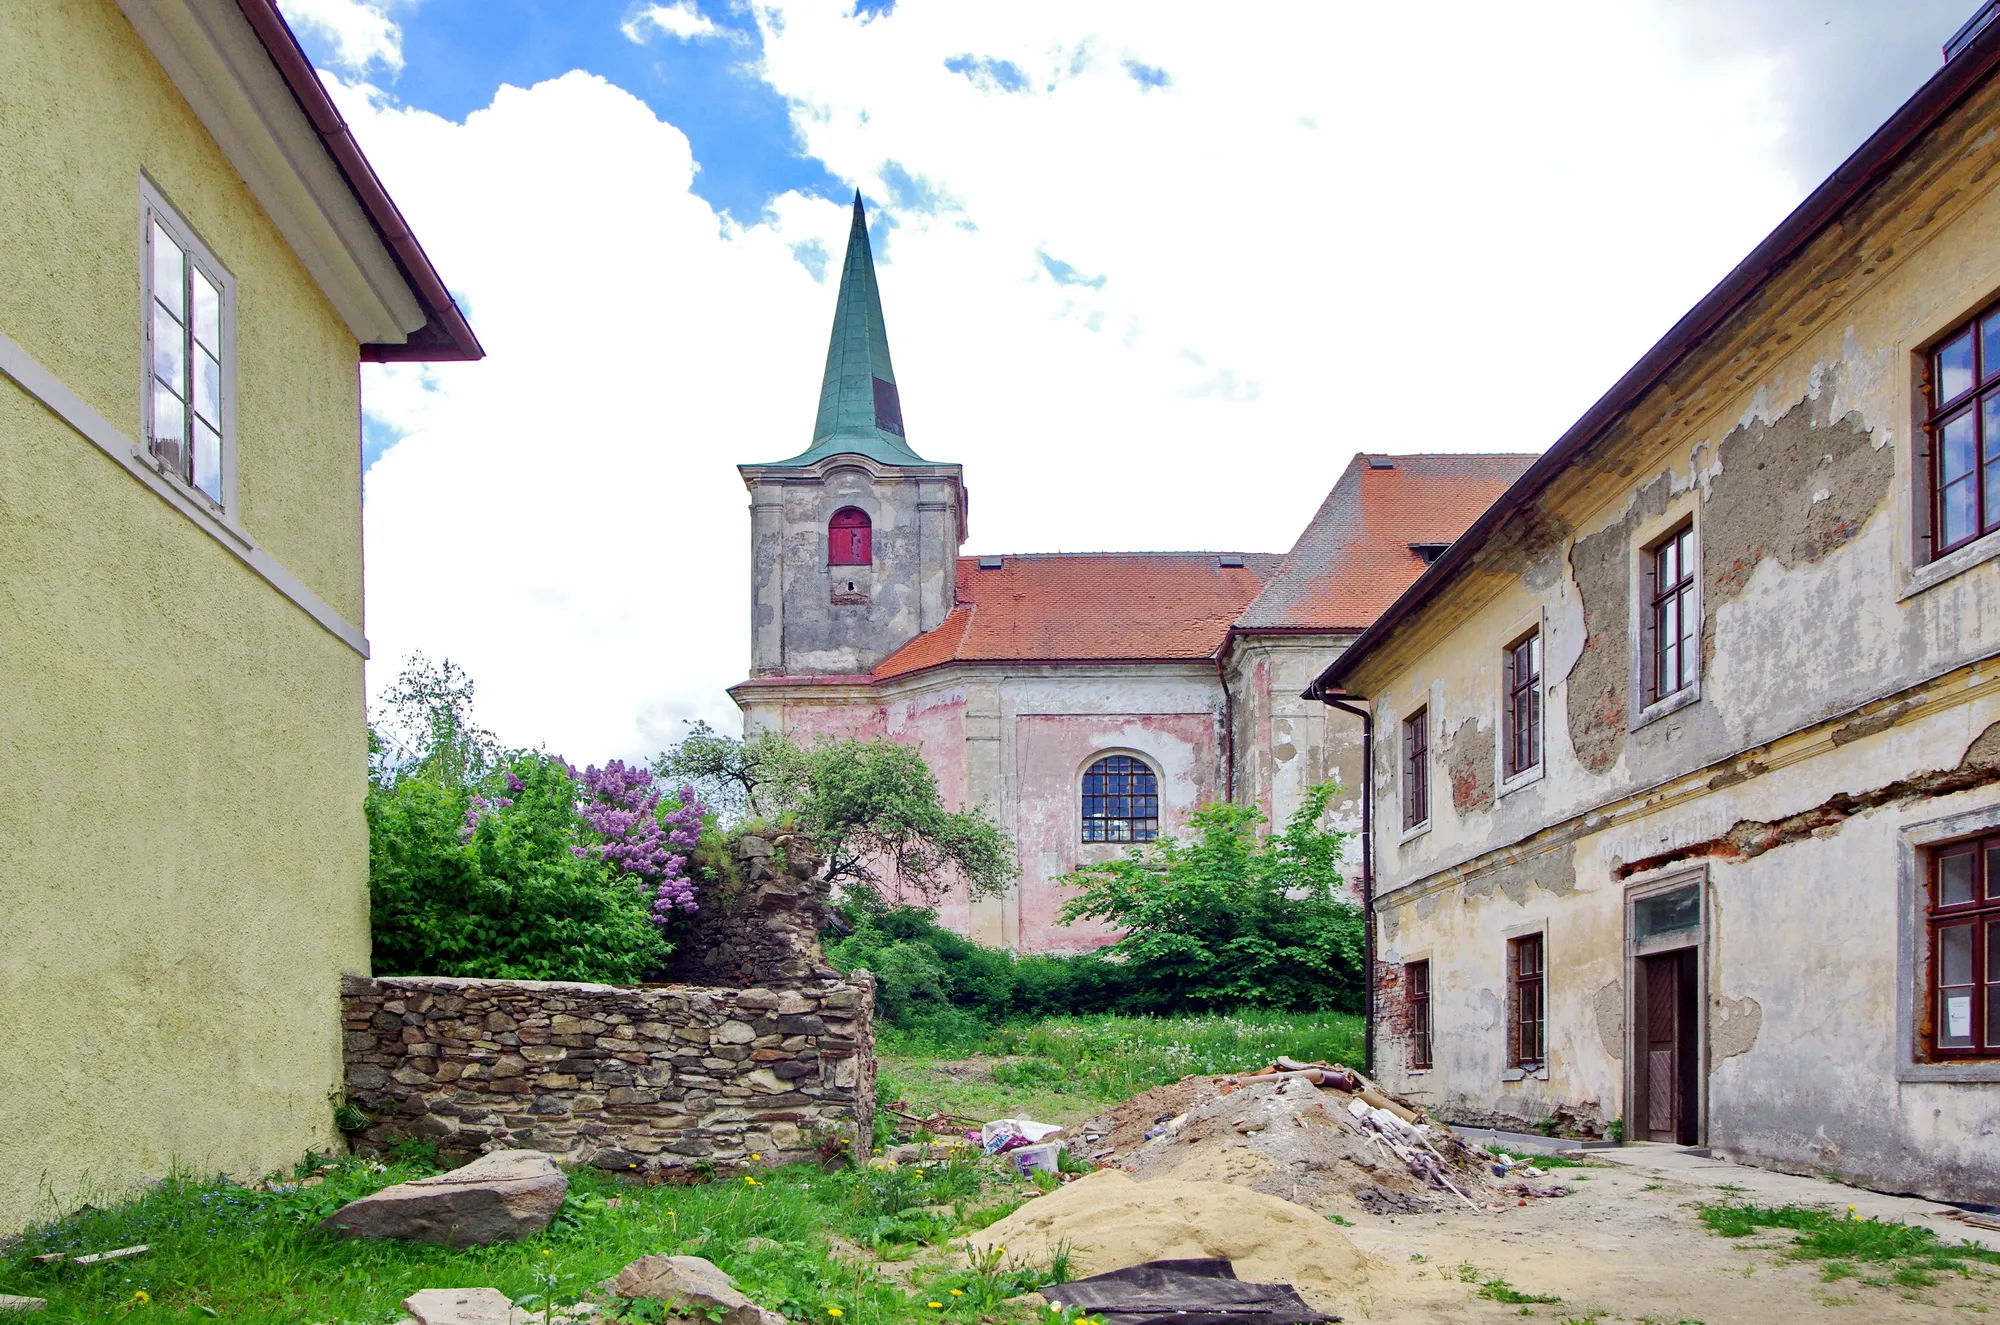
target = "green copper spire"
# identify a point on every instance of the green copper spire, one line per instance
(860, 412)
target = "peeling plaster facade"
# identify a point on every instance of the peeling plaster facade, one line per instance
(1844, 719)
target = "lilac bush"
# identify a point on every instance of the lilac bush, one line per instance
(621, 805)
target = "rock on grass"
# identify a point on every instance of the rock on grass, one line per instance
(499, 1197)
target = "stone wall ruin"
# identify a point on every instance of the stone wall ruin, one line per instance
(644, 1080)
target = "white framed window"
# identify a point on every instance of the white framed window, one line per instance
(188, 393)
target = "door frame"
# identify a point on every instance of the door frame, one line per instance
(1635, 951)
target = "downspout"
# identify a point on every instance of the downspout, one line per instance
(1228, 720)
(1367, 870)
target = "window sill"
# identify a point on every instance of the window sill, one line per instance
(1412, 834)
(1508, 786)
(1673, 703)
(1976, 1072)
(1522, 1074)
(1953, 563)
(188, 492)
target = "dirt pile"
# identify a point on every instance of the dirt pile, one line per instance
(1109, 1222)
(1287, 1135)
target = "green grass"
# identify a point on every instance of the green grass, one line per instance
(1499, 1290)
(220, 1250)
(1063, 1069)
(1903, 1254)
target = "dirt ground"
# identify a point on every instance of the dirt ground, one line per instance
(1622, 1243)
(1625, 1247)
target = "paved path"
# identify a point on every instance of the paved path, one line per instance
(1757, 1186)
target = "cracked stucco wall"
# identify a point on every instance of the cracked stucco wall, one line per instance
(1842, 701)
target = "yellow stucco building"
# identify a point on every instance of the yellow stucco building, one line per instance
(197, 260)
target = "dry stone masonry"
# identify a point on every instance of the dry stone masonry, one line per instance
(637, 1080)
(769, 1058)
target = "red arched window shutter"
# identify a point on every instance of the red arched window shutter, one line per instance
(849, 538)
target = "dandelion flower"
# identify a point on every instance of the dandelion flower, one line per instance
(545, 1251)
(754, 1157)
(141, 1297)
(835, 1312)
(958, 1292)
(935, 1306)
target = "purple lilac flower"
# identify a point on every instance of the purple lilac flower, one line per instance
(621, 806)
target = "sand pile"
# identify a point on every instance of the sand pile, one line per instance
(1110, 1222)
(1291, 1138)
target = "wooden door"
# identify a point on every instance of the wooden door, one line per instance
(1667, 1047)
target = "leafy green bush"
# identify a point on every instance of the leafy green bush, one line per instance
(1229, 916)
(497, 882)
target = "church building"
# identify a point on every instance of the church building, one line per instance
(1089, 701)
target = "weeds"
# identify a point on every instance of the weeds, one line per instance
(251, 1253)
(1497, 1289)
(1104, 1059)
(1901, 1254)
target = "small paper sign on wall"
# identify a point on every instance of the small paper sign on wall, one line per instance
(1958, 1016)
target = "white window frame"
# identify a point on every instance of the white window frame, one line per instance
(154, 209)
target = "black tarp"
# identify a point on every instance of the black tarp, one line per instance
(1189, 1292)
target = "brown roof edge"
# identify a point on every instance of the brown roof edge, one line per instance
(1930, 103)
(445, 335)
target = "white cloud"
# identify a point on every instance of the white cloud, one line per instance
(680, 20)
(1310, 242)
(361, 31)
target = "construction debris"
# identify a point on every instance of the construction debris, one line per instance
(1317, 1133)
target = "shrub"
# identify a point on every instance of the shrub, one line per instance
(499, 882)
(1229, 916)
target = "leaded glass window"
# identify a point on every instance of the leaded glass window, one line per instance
(1121, 801)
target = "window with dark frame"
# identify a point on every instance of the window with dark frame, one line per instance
(1121, 801)
(1524, 704)
(1417, 982)
(849, 538)
(1962, 996)
(1962, 428)
(1416, 768)
(1526, 975)
(1673, 617)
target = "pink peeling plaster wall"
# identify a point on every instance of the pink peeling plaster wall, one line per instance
(1051, 753)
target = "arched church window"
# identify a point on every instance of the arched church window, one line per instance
(849, 538)
(1121, 801)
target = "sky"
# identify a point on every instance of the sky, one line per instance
(1151, 273)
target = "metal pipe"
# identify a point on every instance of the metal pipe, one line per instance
(1367, 870)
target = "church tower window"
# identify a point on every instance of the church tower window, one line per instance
(1121, 801)
(849, 538)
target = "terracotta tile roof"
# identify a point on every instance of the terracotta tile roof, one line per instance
(1355, 558)
(1080, 607)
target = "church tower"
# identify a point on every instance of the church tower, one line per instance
(854, 541)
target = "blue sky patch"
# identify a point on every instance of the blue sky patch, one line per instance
(377, 436)
(456, 54)
(915, 193)
(1148, 76)
(988, 74)
(1067, 275)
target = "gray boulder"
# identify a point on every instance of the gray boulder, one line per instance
(463, 1306)
(692, 1285)
(496, 1198)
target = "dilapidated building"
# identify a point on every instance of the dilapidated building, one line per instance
(1088, 700)
(1686, 756)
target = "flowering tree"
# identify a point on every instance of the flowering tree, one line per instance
(621, 805)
